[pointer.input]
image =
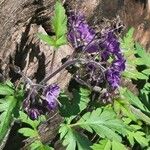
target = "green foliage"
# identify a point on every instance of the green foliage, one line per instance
(32, 132)
(130, 50)
(136, 134)
(59, 21)
(72, 107)
(104, 122)
(106, 144)
(73, 139)
(59, 25)
(8, 106)
(122, 108)
(140, 110)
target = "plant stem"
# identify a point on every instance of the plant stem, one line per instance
(52, 61)
(71, 62)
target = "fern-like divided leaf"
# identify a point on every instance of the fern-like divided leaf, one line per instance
(71, 108)
(72, 139)
(106, 144)
(137, 135)
(104, 123)
(8, 107)
(140, 110)
(59, 25)
(122, 107)
(32, 132)
(129, 50)
(59, 21)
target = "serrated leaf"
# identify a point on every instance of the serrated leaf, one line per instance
(138, 136)
(33, 123)
(103, 122)
(146, 71)
(143, 54)
(118, 146)
(6, 90)
(138, 61)
(133, 99)
(6, 116)
(121, 106)
(106, 144)
(134, 74)
(28, 132)
(59, 21)
(103, 145)
(140, 115)
(73, 139)
(46, 38)
(127, 43)
(63, 130)
(61, 41)
(37, 145)
(80, 100)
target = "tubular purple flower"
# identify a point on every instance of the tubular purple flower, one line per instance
(33, 113)
(110, 46)
(113, 78)
(81, 34)
(51, 94)
(119, 65)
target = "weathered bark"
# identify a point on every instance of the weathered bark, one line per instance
(21, 20)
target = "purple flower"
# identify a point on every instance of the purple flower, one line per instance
(81, 35)
(33, 113)
(113, 78)
(110, 46)
(119, 65)
(51, 94)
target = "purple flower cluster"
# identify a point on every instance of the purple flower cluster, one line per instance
(34, 108)
(51, 94)
(80, 34)
(106, 46)
(111, 48)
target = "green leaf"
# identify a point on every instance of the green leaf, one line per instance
(146, 71)
(122, 107)
(127, 43)
(46, 38)
(33, 132)
(140, 115)
(143, 54)
(103, 122)
(80, 100)
(106, 144)
(73, 139)
(37, 145)
(138, 136)
(61, 41)
(118, 146)
(133, 99)
(59, 21)
(6, 90)
(7, 115)
(33, 123)
(28, 132)
(103, 145)
(134, 74)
